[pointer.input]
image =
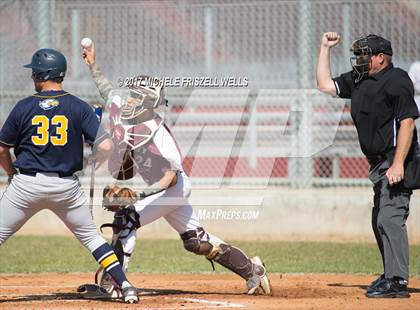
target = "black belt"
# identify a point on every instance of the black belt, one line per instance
(32, 173)
(376, 159)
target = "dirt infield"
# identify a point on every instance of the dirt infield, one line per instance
(203, 291)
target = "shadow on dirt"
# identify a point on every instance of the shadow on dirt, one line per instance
(44, 297)
(158, 292)
(78, 296)
(364, 287)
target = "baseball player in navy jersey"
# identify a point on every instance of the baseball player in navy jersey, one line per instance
(146, 147)
(47, 131)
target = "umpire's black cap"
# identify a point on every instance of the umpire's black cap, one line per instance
(379, 44)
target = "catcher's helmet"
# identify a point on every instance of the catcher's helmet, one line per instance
(363, 49)
(145, 94)
(47, 64)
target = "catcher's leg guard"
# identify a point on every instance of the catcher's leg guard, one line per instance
(124, 227)
(194, 244)
(252, 270)
(230, 257)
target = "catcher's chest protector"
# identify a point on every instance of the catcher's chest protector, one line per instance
(136, 151)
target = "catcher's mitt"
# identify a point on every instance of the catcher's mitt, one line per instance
(116, 198)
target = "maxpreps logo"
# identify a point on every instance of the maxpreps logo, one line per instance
(48, 104)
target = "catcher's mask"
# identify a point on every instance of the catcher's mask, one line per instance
(363, 49)
(146, 93)
(117, 198)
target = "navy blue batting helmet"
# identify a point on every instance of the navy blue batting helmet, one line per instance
(47, 64)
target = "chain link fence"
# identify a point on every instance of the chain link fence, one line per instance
(277, 130)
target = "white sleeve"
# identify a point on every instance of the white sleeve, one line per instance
(168, 147)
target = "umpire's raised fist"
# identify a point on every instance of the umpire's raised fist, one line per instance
(330, 39)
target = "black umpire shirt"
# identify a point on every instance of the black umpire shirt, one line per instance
(378, 104)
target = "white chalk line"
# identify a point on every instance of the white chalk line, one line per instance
(226, 304)
(185, 307)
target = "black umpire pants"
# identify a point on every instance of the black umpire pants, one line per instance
(389, 216)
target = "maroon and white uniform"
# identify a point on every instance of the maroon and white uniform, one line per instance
(144, 147)
(148, 150)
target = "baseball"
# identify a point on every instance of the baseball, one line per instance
(86, 42)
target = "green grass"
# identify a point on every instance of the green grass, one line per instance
(65, 254)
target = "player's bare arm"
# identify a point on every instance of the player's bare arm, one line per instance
(395, 173)
(6, 161)
(169, 179)
(104, 151)
(323, 71)
(102, 83)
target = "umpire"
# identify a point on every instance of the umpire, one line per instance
(383, 110)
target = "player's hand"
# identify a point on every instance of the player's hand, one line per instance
(88, 55)
(395, 173)
(102, 151)
(330, 39)
(96, 160)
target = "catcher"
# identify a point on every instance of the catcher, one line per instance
(145, 146)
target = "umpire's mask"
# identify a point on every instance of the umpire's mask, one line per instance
(361, 59)
(363, 49)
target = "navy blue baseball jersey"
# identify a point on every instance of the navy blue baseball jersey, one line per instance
(47, 131)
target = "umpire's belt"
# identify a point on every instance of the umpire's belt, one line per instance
(33, 174)
(376, 159)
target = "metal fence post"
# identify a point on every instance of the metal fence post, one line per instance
(253, 134)
(75, 43)
(44, 25)
(305, 51)
(292, 160)
(346, 40)
(208, 24)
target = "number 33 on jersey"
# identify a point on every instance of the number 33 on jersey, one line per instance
(43, 130)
